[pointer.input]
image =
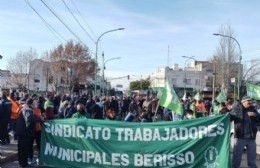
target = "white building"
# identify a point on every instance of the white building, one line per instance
(38, 76)
(8, 81)
(4, 78)
(198, 75)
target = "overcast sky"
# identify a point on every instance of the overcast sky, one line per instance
(157, 32)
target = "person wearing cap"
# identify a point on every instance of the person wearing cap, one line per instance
(245, 118)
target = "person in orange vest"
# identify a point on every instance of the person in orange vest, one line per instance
(200, 109)
(14, 115)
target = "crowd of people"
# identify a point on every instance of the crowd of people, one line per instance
(21, 117)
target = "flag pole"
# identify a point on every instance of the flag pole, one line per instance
(155, 114)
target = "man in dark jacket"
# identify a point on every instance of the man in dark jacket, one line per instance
(90, 103)
(25, 130)
(97, 110)
(245, 117)
(5, 113)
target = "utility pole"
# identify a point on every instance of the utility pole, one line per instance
(28, 82)
(47, 77)
(103, 74)
(214, 81)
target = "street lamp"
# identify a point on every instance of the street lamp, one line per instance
(188, 58)
(96, 55)
(103, 70)
(240, 58)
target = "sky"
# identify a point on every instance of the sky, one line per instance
(157, 32)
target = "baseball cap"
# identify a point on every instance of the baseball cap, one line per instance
(245, 98)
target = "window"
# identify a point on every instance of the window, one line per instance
(188, 81)
(36, 81)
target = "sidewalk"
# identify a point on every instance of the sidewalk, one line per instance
(8, 152)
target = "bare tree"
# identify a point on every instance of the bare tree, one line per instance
(19, 68)
(251, 74)
(227, 64)
(70, 65)
(226, 58)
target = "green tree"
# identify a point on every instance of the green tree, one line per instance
(140, 84)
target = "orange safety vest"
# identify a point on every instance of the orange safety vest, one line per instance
(200, 107)
(37, 112)
(15, 107)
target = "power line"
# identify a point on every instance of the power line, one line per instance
(52, 30)
(52, 11)
(78, 21)
(83, 18)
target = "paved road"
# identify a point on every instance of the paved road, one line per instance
(14, 163)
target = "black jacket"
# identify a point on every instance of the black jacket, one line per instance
(25, 125)
(245, 126)
(5, 109)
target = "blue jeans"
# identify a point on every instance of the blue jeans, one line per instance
(239, 145)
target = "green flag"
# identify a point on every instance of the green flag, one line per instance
(197, 96)
(221, 97)
(215, 109)
(170, 100)
(159, 93)
(253, 91)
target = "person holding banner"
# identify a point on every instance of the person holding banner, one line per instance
(223, 108)
(111, 115)
(245, 118)
(189, 115)
(81, 113)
